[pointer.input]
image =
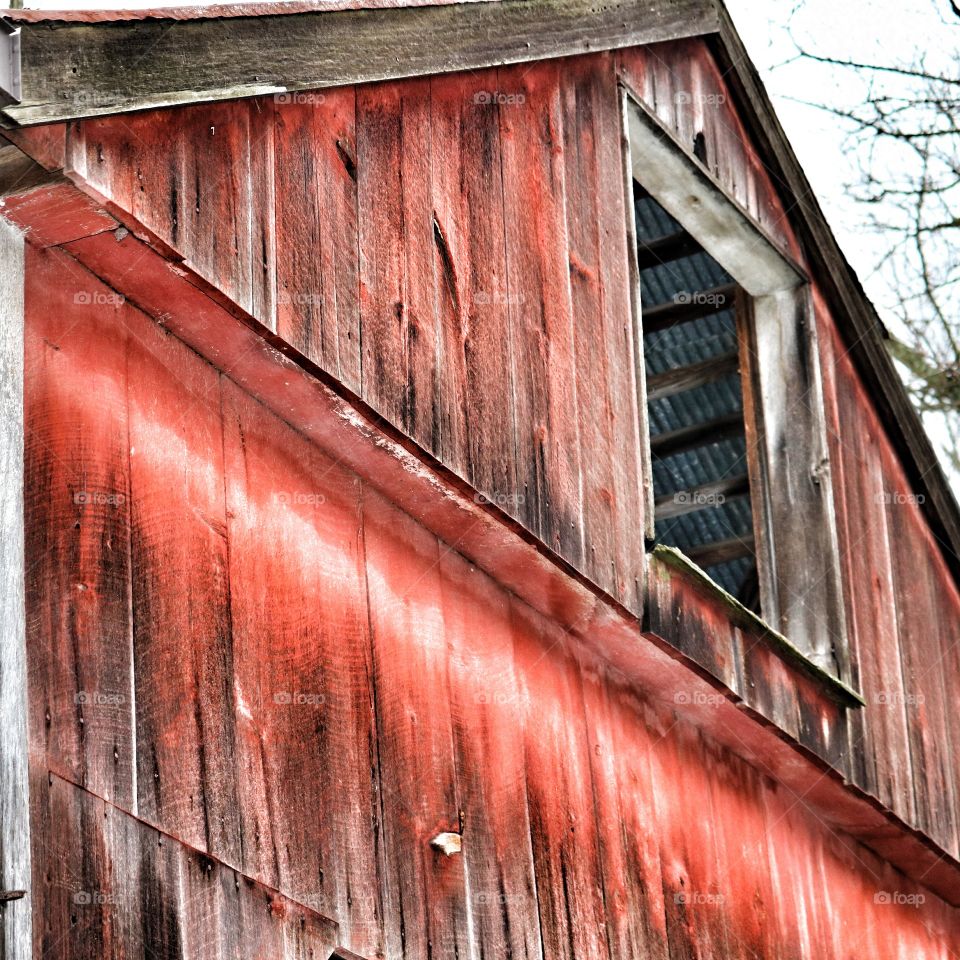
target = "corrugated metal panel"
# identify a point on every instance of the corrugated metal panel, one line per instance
(678, 346)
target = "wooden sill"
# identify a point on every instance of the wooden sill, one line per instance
(745, 618)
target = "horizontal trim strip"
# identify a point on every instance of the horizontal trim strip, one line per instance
(73, 70)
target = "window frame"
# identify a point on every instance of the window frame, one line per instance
(777, 331)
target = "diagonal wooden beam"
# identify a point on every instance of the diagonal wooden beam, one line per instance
(705, 497)
(679, 379)
(722, 551)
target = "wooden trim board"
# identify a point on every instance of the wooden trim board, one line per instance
(72, 70)
(15, 912)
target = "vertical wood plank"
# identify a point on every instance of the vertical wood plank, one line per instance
(803, 584)
(424, 890)
(183, 656)
(471, 286)
(396, 228)
(626, 820)
(922, 657)
(263, 209)
(866, 555)
(693, 888)
(77, 511)
(562, 811)
(605, 388)
(318, 290)
(302, 674)
(487, 716)
(16, 942)
(547, 416)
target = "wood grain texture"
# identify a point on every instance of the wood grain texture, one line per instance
(394, 232)
(417, 655)
(476, 394)
(78, 70)
(866, 546)
(397, 310)
(681, 82)
(621, 793)
(424, 891)
(563, 824)
(928, 704)
(56, 214)
(335, 427)
(202, 179)
(606, 388)
(801, 587)
(77, 509)
(302, 673)
(487, 709)
(182, 643)
(317, 245)
(546, 421)
(626, 821)
(15, 916)
(113, 886)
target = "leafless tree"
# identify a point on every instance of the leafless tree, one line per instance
(906, 138)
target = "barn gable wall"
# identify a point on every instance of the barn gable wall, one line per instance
(242, 643)
(259, 690)
(452, 250)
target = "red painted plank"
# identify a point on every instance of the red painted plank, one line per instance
(183, 656)
(77, 515)
(922, 654)
(694, 889)
(302, 671)
(562, 813)
(626, 819)
(866, 553)
(585, 96)
(46, 143)
(546, 419)
(476, 395)
(318, 309)
(487, 712)
(397, 309)
(424, 890)
(56, 214)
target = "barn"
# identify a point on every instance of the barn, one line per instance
(456, 503)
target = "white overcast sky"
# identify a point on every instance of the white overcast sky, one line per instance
(872, 31)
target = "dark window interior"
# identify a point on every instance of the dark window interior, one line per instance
(695, 402)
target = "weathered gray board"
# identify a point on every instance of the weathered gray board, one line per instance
(83, 69)
(15, 921)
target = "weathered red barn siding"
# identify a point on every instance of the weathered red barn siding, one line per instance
(903, 612)
(244, 646)
(681, 82)
(452, 249)
(241, 643)
(902, 602)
